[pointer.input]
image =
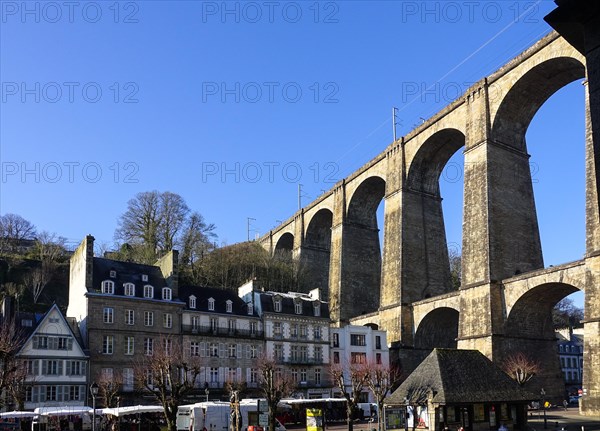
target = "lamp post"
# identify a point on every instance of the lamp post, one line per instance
(94, 392)
(206, 392)
(543, 395)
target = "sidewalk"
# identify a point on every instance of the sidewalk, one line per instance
(571, 420)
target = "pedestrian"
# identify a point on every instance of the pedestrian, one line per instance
(566, 405)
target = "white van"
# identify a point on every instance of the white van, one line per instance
(214, 416)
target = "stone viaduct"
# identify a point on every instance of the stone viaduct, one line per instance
(506, 296)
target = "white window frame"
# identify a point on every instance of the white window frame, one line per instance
(108, 315)
(129, 345)
(108, 343)
(192, 301)
(148, 291)
(130, 317)
(298, 307)
(229, 306)
(277, 305)
(148, 346)
(167, 320)
(167, 294)
(211, 304)
(250, 309)
(129, 289)
(108, 287)
(148, 318)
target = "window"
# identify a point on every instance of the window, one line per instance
(168, 320)
(250, 309)
(107, 344)
(28, 323)
(317, 376)
(148, 378)
(144, 277)
(253, 352)
(277, 332)
(214, 375)
(253, 375)
(129, 317)
(192, 301)
(52, 367)
(231, 350)
(228, 306)
(148, 318)
(129, 289)
(129, 345)
(294, 330)
(231, 324)
(358, 340)
(194, 348)
(294, 375)
(303, 353)
(29, 394)
(213, 350)
(232, 375)
(378, 342)
(211, 304)
(303, 331)
(51, 393)
(32, 367)
(195, 322)
(74, 393)
(214, 324)
(562, 348)
(336, 339)
(108, 287)
(167, 293)
(253, 328)
(113, 273)
(108, 315)
(303, 374)
(317, 332)
(127, 379)
(107, 374)
(378, 358)
(317, 309)
(318, 353)
(336, 357)
(358, 358)
(294, 353)
(63, 343)
(168, 346)
(148, 346)
(148, 291)
(76, 368)
(277, 304)
(278, 352)
(298, 307)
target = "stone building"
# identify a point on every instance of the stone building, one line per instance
(570, 352)
(226, 332)
(297, 328)
(123, 309)
(354, 344)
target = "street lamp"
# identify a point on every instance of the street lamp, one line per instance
(543, 395)
(206, 392)
(94, 392)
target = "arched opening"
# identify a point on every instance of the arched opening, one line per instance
(284, 247)
(529, 331)
(439, 328)
(426, 265)
(361, 262)
(316, 251)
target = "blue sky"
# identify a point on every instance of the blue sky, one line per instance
(232, 105)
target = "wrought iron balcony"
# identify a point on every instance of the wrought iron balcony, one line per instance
(221, 331)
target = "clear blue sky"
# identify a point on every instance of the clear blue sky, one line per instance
(232, 105)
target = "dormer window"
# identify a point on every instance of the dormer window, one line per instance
(192, 301)
(167, 293)
(129, 289)
(211, 304)
(113, 273)
(144, 277)
(229, 306)
(277, 304)
(148, 291)
(27, 323)
(317, 309)
(250, 309)
(298, 307)
(108, 287)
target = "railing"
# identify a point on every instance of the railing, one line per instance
(301, 361)
(221, 332)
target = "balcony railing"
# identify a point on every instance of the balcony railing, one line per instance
(221, 332)
(300, 361)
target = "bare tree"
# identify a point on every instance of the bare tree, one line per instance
(276, 383)
(109, 388)
(520, 367)
(354, 375)
(14, 228)
(566, 314)
(455, 260)
(169, 374)
(17, 387)
(381, 380)
(12, 339)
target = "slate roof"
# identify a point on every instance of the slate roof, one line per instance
(128, 272)
(202, 294)
(288, 304)
(458, 377)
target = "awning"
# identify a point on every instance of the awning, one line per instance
(132, 410)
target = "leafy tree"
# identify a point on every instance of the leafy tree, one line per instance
(353, 375)
(566, 314)
(276, 384)
(169, 375)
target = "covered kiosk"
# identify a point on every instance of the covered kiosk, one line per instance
(458, 389)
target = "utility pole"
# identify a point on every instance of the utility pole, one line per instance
(248, 220)
(394, 122)
(299, 196)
